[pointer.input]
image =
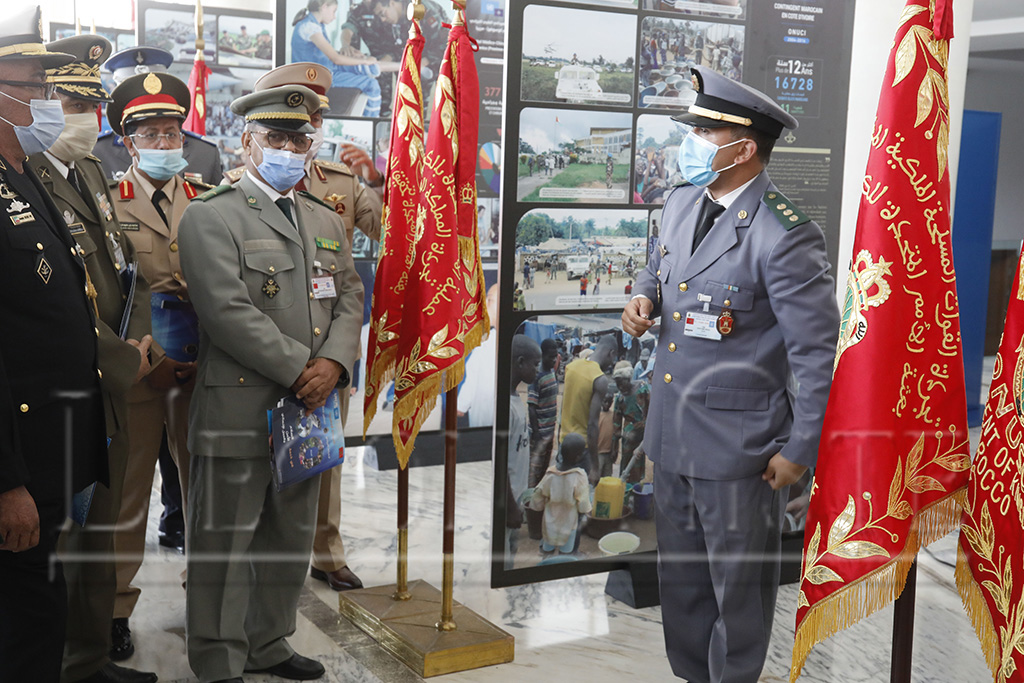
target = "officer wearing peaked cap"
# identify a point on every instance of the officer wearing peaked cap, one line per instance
(280, 306)
(75, 181)
(149, 201)
(740, 278)
(49, 380)
(203, 157)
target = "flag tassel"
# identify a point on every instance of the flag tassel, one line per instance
(875, 590)
(978, 612)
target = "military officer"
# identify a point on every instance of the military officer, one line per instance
(280, 306)
(740, 278)
(203, 157)
(338, 187)
(75, 180)
(147, 110)
(51, 409)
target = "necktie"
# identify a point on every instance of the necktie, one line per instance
(285, 205)
(709, 211)
(73, 179)
(157, 196)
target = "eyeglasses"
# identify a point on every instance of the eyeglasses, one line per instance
(279, 139)
(155, 138)
(45, 88)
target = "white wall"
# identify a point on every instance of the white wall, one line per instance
(873, 31)
(998, 85)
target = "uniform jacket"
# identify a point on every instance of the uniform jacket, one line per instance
(92, 223)
(721, 409)
(48, 346)
(203, 157)
(250, 273)
(337, 186)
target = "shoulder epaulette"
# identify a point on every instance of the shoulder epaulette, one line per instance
(127, 190)
(210, 194)
(193, 188)
(316, 199)
(93, 158)
(333, 166)
(784, 209)
(235, 174)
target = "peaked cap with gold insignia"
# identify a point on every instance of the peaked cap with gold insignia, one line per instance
(314, 76)
(146, 96)
(286, 107)
(81, 78)
(21, 37)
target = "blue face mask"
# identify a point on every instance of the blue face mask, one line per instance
(160, 164)
(281, 169)
(47, 125)
(696, 155)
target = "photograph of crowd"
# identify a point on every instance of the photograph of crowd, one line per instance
(245, 41)
(669, 47)
(574, 156)
(174, 30)
(733, 9)
(578, 481)
(656, 167)
(578, 258)
(362, 44)
(593, 63)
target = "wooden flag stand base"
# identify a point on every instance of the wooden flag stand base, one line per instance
(408, 630)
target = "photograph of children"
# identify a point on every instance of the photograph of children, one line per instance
(669, 47)
(174, 30)
(362, 44)
(591, 64)
(733, 9)
(574, 156)
(576, 470)
(656, 167)
(579, 258)
(488, 221)
(245, 41)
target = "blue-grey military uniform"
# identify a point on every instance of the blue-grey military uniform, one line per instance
(720, 409)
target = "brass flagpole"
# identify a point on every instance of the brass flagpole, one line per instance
(200, 41)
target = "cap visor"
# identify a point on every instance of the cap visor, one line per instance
(701, 121)
(288, 125)
(85, 93)
(48, 60)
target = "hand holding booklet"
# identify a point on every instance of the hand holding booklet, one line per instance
(303, 446)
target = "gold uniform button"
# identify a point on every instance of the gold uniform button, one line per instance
(659, 272)
(241, 380)
(117, 234)
(174, 246)
(311, 297)
(316, 331)
(683, 286)
(117, 266)
(39, 246)
(668, 378)
(677, 316)
(727, 302)
(672, 346)
(177, 276)
(793, 218)
(780, 207)
(99, 373)
(742, 214)
(97, 331)
(24, 407)
(772, 195)
(73, 252)
(333, 266)
(272, 269)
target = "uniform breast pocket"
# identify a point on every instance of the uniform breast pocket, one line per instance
(84, 241)
(33, 247)
(664, 271)
(725, 295)
(325, 277)
(269, 278)
(142, 241)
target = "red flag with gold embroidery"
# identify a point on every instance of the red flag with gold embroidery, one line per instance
(990, 562)
(197, 80)
(398, 224)
(445, 315)
(894, 451)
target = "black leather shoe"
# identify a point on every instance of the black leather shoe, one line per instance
(112, 673)
(174, 539)
(121, 647)
(297, 668)
(343, 579)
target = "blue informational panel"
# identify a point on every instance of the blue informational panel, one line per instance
(972, 242)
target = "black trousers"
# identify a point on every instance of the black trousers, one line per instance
(33, 604)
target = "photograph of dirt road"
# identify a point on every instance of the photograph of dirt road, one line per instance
(574, 156)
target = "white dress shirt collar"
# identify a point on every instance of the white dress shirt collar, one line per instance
(726, 200)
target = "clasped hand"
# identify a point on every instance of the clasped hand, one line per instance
(317, 380)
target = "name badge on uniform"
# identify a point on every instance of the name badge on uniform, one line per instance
(323, 287)
(702, 326)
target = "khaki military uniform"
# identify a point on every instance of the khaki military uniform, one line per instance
(150, 409)
(359, 207)
(107, 251)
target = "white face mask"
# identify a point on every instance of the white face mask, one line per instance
(318, 141)
(78, 138)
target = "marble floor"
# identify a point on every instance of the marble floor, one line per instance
(564, 630)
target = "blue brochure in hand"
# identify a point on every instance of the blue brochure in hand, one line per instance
(303, 446)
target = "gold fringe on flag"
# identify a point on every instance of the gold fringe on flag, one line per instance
(977, 610)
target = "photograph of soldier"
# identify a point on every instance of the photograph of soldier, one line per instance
(656, 167)
(245, 41)
(572, 381)
(669, 47)
(733, 9)
(174, 30)
(592, 64)
(573, 244)
(563, 156)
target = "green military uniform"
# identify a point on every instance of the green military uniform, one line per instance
(250, 269)
(79, 190)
